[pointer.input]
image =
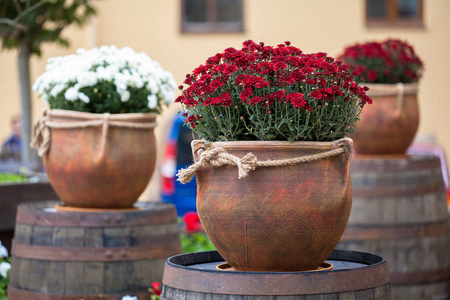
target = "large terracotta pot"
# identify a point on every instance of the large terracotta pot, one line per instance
(100, 160)
(285, 218)
(389, 124)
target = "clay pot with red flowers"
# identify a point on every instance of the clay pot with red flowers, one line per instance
(272, 168)
(391, 69)
(97, 139)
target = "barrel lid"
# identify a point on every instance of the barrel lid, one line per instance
(352, 271)
(44, 214)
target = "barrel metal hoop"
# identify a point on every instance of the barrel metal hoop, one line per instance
(363, 233)
(272, 283)
(420, 277)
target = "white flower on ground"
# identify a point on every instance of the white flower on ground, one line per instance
(3, 251)
(4, 268)
(129, 298)
(152, 101)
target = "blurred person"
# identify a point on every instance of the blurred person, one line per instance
(11, 148)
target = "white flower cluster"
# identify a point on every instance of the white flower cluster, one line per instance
(124, 67)
(4, 266)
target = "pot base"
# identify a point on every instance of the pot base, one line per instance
(325, 266)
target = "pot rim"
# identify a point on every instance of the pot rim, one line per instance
(297, 144)
(95, 116)
(386, 89)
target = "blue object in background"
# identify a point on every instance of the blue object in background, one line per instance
(178, 155)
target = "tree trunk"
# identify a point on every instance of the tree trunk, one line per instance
(25, 92)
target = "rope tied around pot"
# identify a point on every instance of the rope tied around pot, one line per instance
(217, 156)
(41, 130)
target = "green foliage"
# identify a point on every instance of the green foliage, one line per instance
(105, 99)
(327, 121)
(196, 242)
(32, 22)
(4, 281)
(12, 177)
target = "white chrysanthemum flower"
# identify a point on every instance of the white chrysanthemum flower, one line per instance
(71, 94)
(3, 251)
(92, 69)
(125, 96)
(83, 97)
(4, 268)
(87, 79)
(152, 85)
(58, 88)
(152, 101)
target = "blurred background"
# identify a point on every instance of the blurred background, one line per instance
(182, 34)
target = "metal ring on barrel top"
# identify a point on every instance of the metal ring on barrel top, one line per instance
(179, 273)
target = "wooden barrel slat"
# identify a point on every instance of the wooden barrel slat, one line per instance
(400, 212)
(14, 293)
(92, 260)
(356, 276)
(397, 210)
(95, 237)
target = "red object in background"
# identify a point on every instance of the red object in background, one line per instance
(156, 288)
(192, 222)
(168, 168)
(448, 200)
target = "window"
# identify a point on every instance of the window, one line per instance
(395, 13)
(212, 16)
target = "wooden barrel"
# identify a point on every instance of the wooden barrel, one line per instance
(399, 212)
(13, 194)
(90, 255)
(356, 275)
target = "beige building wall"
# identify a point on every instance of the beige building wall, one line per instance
(153, 26)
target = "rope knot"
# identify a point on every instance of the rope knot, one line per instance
(217, 157)
(41, 136)
(210, 156)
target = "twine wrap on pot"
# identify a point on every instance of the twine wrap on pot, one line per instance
(41, 130)
(399, 89)
(217, 156)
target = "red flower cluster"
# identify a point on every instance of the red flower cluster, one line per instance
(390, 61)
(267, 93)
(155, 289)
(192, 222)
(259, 74)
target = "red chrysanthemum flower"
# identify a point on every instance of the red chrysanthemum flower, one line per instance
(192, 222)
(389, 61)
(240, 93)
